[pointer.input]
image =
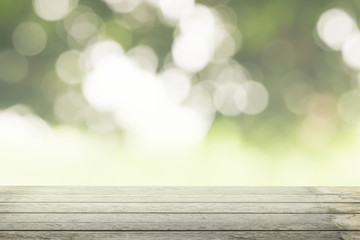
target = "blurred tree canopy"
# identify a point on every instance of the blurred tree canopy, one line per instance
(279, 47)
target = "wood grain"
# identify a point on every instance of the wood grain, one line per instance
(192, 221)
(163, 198)
(179, 212)
(180, 208)
(195, 235)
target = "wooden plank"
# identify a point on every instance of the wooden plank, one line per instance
(179, 198)
(335, 190)
(193, 222)
(179, 213)
(180, 208)
(228, 235)
(106, 190)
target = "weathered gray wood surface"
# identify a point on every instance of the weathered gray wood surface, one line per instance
(194, 235)
(131, 207)
(179, 212)
(177, 198)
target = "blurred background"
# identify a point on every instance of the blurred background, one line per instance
(168, 92)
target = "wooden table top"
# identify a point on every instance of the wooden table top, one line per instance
(179, 213)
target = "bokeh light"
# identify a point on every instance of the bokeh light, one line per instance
(122, 6)
(53, 10)
(230, 99)
(173, 10)
(68, 67)
(200, 98)
(29, 38)
(162, 92)
(194, 47)
(98, 51)
(257, 98)
(192, 53)
(145, 57)
(351, 51)
(140, 99)
(70, 107)
(84, 26)
(334, 27)
(20, 121)
(348, 106)
(177, 84)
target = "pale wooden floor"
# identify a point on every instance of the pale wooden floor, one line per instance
(179, 213)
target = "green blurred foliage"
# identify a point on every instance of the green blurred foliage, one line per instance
(260, 22)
